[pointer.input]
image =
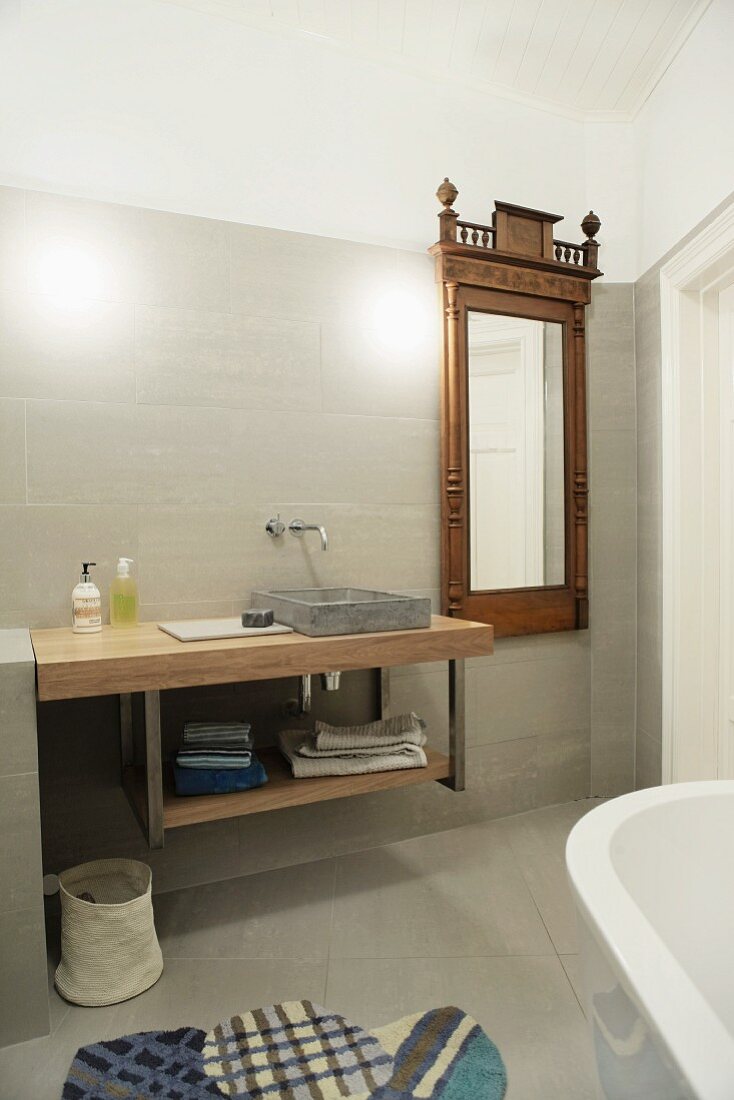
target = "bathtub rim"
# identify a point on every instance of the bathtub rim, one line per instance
(696, 1040)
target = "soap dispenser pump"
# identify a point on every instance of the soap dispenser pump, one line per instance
(124, 596)
(86, 604)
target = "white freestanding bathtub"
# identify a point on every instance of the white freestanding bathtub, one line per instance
(652, 874)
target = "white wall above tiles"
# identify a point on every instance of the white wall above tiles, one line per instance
(158, 105)
(207, 107)
(685, 139)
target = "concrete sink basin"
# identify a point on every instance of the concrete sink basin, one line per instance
(319, 612)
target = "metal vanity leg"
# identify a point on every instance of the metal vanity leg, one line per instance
(154, 768)
(127, 745)
(384, 692)
(457, 726)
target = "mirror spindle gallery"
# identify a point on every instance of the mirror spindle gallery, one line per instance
(515, 489)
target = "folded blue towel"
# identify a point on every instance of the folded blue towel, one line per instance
(191, 781)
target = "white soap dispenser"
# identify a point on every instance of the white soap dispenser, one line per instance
(86, 604)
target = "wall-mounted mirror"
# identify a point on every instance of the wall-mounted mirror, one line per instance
(514, 512)
(516, 460)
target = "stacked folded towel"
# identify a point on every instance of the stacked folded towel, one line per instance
(382, 746)
(217, 758)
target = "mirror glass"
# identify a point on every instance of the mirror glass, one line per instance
(516, 452)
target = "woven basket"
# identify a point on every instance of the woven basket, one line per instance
(109, 949)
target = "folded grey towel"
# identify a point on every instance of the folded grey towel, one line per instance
(226, 734)
(384, 734)
(304, 767)
(310, 748)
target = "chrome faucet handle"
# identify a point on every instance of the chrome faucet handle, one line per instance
(298, 527)
(275, 527)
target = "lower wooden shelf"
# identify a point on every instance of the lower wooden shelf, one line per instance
(281, 790)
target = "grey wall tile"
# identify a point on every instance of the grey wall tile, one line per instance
(100, 236)
(613, 504)
(649, 526)
(369, 376)
(80, 350)
(174, 612)
(82, 452)
(18, 718)
(16, 648)
(564, 765)
(39, 583)
(388, 547)
(612, 758)
(181, 559)
(181, 261)
(186, 455)
(12, 228)
(613, 685)
(527, 698)
(334, 458)
(20, 856)
(12, 452)
(292, 275)
(612, 534)
(611, 364)
(102, 453)
(648, 761)
(193, 357)
(538, 647)
(649, 692)
(24, 1003)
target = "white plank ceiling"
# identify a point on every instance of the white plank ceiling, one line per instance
(587, 58)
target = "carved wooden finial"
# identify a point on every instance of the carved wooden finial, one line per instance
(446, 193)
(591, 225)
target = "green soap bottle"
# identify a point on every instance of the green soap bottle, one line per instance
(124, 596)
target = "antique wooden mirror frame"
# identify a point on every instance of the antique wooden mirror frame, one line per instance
(513, 266)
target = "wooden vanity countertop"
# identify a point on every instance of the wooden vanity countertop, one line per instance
(144, 658)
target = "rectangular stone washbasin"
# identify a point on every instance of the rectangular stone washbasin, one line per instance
(319, 612)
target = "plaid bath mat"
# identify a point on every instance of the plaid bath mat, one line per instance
(296, 1051)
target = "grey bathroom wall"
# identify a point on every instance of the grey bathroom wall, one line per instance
(209, 376)
(613, 536)
(648, 754)
(23, 981)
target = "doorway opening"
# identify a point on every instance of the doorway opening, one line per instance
(697, 330)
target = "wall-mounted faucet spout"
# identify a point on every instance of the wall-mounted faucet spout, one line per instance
(298, 526)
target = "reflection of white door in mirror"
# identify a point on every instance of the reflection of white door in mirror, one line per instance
(515, 465)
(505, 451)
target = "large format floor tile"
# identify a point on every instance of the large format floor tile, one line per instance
(452, 893)
(526, 1006)
(538, 842)
(572, 966)
(479, 916)
(272, 915)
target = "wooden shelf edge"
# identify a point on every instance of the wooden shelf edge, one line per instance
(281, 790)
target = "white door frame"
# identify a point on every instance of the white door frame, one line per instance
(690, 588)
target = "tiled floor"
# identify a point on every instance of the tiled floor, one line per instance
(479, 917)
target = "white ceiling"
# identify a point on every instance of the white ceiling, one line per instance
(589, 58)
